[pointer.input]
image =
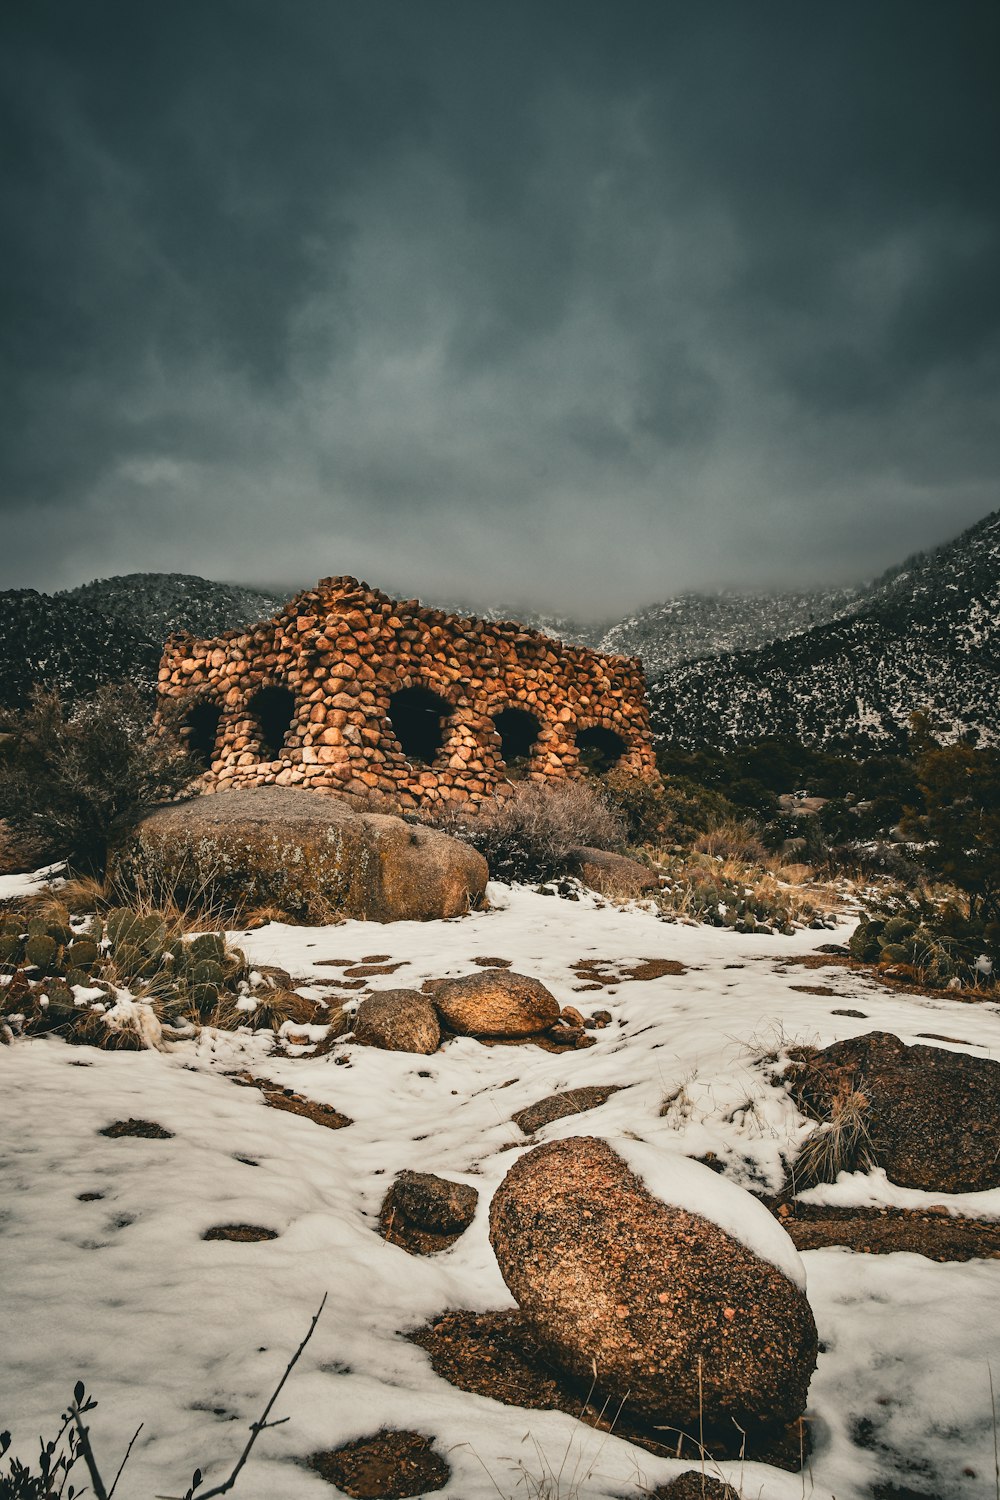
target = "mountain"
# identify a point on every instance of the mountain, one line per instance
(829, 666)
(562, 627)
(112, 630)
(155, 604)
(68, 645)
(923, 636)
(693, 625)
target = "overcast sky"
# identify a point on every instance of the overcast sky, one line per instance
(572, 305)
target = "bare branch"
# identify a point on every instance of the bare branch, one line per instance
(124, 1461)
(261, 1425)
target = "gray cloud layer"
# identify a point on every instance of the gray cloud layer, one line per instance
(571, 304)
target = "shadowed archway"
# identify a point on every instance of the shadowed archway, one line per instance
(272, 710)
(518, 730)
(600, 749)
(418, 720)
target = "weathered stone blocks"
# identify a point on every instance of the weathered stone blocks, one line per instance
(389, 698)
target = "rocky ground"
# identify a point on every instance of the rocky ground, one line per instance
(166, 1233)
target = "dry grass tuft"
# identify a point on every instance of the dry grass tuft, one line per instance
(840, 1143)
(732, 838)
(275, 1007)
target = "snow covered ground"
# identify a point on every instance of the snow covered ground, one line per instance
(189, 1336)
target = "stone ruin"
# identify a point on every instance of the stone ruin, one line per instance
(349, 691)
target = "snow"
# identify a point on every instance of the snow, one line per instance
(190, 1336)
(14, 887)
(684, 1183)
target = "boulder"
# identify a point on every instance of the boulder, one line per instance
(612, 875)
(569, 1102)
(398, 1021)
(306, 853)
(433, 1203)
(932, 1117)
(424, 1213)
(680, 1318)
(496, 1002)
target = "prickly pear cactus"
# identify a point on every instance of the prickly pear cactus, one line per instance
(83, 953)
(41, 951)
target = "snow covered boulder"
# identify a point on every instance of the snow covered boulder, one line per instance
(929, 1117)
(679, 1287)
(496, 1002)
(398, 1021)
(308, 854)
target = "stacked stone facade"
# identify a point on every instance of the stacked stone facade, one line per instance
(349, 691)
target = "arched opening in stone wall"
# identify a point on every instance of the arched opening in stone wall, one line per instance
(417, 717)
(518, 730)
(272, 709)
(600, 749)
(200, 730)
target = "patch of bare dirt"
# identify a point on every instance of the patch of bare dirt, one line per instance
(147, 1129)
(931, 1232)
(813, 989)
(817, 961)
(935, 1036)
(892, 978)
(695, 1485)
(369, 970)
(495, 1354)
(388, 1466)
(295, 1104)
(557, 1106)
(243, 1234)
(559, 1039)
(599, 973)
(493, 963)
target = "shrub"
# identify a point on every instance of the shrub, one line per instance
(70, 779)
(960, 822)
(733, 838)
(530, 834)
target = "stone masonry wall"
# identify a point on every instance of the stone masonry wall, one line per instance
(352, 692)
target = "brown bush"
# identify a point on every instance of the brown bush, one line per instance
(529, 834)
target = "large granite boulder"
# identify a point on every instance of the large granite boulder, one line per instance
(496, 1002)
(398, 1021)
(930, 1118)
(307, 854)
(687, 1321)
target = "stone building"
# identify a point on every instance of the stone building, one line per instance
(349, 691)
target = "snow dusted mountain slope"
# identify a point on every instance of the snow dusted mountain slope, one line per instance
(67, 645)
(926, 636)
(563, 627)
(111, 630)
(158, 603)
(694, 625)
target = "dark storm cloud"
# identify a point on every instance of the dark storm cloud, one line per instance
(578, 304)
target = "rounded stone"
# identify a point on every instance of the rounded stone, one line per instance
(398, 1021)
(680, 1319)
(932, 1117)
(496, 1002)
